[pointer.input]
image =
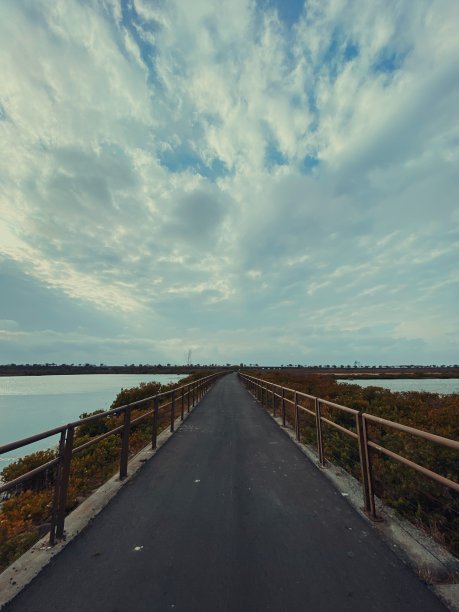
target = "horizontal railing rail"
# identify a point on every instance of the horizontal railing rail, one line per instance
(187, 395)
(269, 394)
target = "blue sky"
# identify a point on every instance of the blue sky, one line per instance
(257, 181)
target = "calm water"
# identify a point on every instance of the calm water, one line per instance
(30, 404)
(433, 385)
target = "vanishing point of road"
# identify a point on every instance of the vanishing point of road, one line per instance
(228, 516)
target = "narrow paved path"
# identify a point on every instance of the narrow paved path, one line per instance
(230, 516)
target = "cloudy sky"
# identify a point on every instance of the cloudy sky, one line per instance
(266, 181)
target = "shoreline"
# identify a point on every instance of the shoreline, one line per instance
(348, 372)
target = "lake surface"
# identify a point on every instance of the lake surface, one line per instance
(433, 385)
(31, 404)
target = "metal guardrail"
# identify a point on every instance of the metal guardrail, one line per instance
(182, 398)
(268, 393)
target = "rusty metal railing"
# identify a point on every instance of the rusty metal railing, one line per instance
(187, 397)
(271, 395)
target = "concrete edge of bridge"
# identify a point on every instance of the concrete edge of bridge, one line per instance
(20, 573)
(433, 564)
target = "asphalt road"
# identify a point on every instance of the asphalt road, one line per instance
(228, 516)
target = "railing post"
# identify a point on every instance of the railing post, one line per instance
(172, 410)
(125, 443)
(359, 426)
(188, 397)
(320, 442)
(367, 472)
(57, 485)
(297, 417)
(272, 398)
(193, 388)
(154, 433)
(64, 484)
(274, 403)
(283, 407)
(182, 404)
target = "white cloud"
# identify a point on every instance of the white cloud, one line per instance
(222, 172)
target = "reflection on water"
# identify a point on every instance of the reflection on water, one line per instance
(444, 386)
(30, 404)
